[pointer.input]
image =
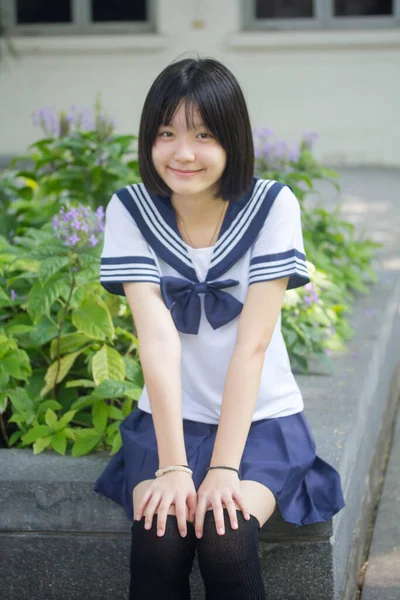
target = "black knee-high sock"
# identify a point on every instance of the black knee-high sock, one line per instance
(229, 563)
(160, 566)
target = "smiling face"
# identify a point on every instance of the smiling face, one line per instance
(187, 156)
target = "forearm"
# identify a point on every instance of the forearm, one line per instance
(161, 368)
(239, 398)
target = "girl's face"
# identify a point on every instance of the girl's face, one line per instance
(190, 161)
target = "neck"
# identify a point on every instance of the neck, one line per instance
(196, 206)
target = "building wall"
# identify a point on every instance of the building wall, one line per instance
(345, 85)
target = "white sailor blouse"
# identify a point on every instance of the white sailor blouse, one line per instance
(260, 240)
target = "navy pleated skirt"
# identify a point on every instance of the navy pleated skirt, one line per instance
(279, 453)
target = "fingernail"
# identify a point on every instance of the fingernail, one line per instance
(220, 530)
(159, 532)
(147, 526)
(234, 525)
(183, 533)
(198, 534)
(247, 516)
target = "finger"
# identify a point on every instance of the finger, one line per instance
(180, 512)
(151, 509)
(231, 508)
(242, 506)
(142, 504)
(218, 516)
(162, 513)
(191, 501)
(199, 516)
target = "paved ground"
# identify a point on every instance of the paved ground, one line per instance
(382, 579)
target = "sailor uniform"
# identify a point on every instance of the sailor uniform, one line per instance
(205, 289)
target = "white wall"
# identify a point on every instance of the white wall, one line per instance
(344, 85)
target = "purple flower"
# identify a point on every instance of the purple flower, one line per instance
(72, 240)
(77, 225)
(13, 295)
(313, 296)
(308, 138)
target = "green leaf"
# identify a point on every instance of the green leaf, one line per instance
(3, 403)
(65, 419)
(117, 443)
(66, 363)
(112, 389)
(70, 342)
(14, 437)
(84, 402)
(85, 445)
(37, 432)
(86, 383)
(134, 371)
(40, 299)
(59, 442)
(20, 400)
(93, 318)
(41, 444)
(51, 266)
(115, 413)
(17, 364)
(107, 363)
(100, 415)
(51, 419)
(46, 330)
(43, 406)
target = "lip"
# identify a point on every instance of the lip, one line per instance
(184, 173)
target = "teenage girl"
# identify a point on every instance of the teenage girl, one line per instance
(204, 252)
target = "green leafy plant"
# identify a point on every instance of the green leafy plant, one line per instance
(81, 160)
(71, 336)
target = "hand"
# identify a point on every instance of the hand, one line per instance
(220, 487)
(173, 488)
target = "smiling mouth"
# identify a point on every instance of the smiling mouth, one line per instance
(182, 171)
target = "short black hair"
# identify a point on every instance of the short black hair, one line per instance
(208, 85)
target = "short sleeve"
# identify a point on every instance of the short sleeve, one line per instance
(126, 255)
(279, 248)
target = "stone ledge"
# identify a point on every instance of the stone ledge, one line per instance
(47, 499)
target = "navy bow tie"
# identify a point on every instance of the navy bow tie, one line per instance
(182, 298)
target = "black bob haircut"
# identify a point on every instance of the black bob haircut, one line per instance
(208, 86)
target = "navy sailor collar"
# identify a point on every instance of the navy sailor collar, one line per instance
(155, 217)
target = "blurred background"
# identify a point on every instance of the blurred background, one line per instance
(327, 66)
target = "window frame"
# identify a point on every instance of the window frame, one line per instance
(79, 25)
(323, 19)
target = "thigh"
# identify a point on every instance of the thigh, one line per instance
(258, 499)
(140, 490)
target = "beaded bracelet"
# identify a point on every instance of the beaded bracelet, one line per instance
(227, 468)
(183, 468)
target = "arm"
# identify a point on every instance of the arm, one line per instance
(256, 325)
(160, 356)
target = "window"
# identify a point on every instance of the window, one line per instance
(77, 16)
(320, 14)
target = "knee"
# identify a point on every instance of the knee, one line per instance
(165, 555)
(226, 553)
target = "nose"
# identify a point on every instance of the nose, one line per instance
(183, 151)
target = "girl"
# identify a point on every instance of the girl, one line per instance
(204, 252)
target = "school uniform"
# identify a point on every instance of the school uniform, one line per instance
(204, 289)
